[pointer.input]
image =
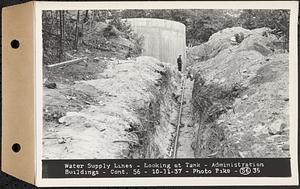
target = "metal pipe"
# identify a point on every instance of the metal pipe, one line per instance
(66, 62)
(179, 119)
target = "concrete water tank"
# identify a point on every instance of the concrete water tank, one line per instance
(163, 39)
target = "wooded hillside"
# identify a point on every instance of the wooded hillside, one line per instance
(66, 30)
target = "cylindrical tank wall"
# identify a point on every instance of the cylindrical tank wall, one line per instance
(163, 39)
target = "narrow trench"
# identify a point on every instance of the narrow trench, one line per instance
(162, 124)
(163, 113)
(153, 133)
(187, 130)
(199, 135)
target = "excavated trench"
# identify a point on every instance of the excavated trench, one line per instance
(200, 135)
(209, 102)
(158, 119)
(137, 115)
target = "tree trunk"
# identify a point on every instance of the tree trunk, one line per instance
(86, 18)
(61, 35)
(76, 31)
(52, 20)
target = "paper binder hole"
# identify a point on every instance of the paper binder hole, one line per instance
(14, 44)
(16, 147)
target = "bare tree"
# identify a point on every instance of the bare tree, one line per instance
(76, 31)
(61, 37)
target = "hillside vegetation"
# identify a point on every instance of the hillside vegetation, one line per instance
(104, 30)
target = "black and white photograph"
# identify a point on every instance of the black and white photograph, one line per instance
(165, 83)
(150, 93)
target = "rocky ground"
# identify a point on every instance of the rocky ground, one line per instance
(244, 88)
(124, 112)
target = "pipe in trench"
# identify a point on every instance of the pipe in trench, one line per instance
(179, 119)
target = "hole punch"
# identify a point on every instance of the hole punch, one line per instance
(16, 147)
(15, 44)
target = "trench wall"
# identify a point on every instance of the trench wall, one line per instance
(240, 96)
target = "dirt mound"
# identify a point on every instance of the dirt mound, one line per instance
(241, 97)
(261, 40)
(116, 115)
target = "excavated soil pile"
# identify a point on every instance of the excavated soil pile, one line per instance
(240, 96)
(259, 39)
(128, 111)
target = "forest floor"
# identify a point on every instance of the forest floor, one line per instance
(94, 62)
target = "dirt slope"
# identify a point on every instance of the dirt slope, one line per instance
(240, 96)
(125, 112)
